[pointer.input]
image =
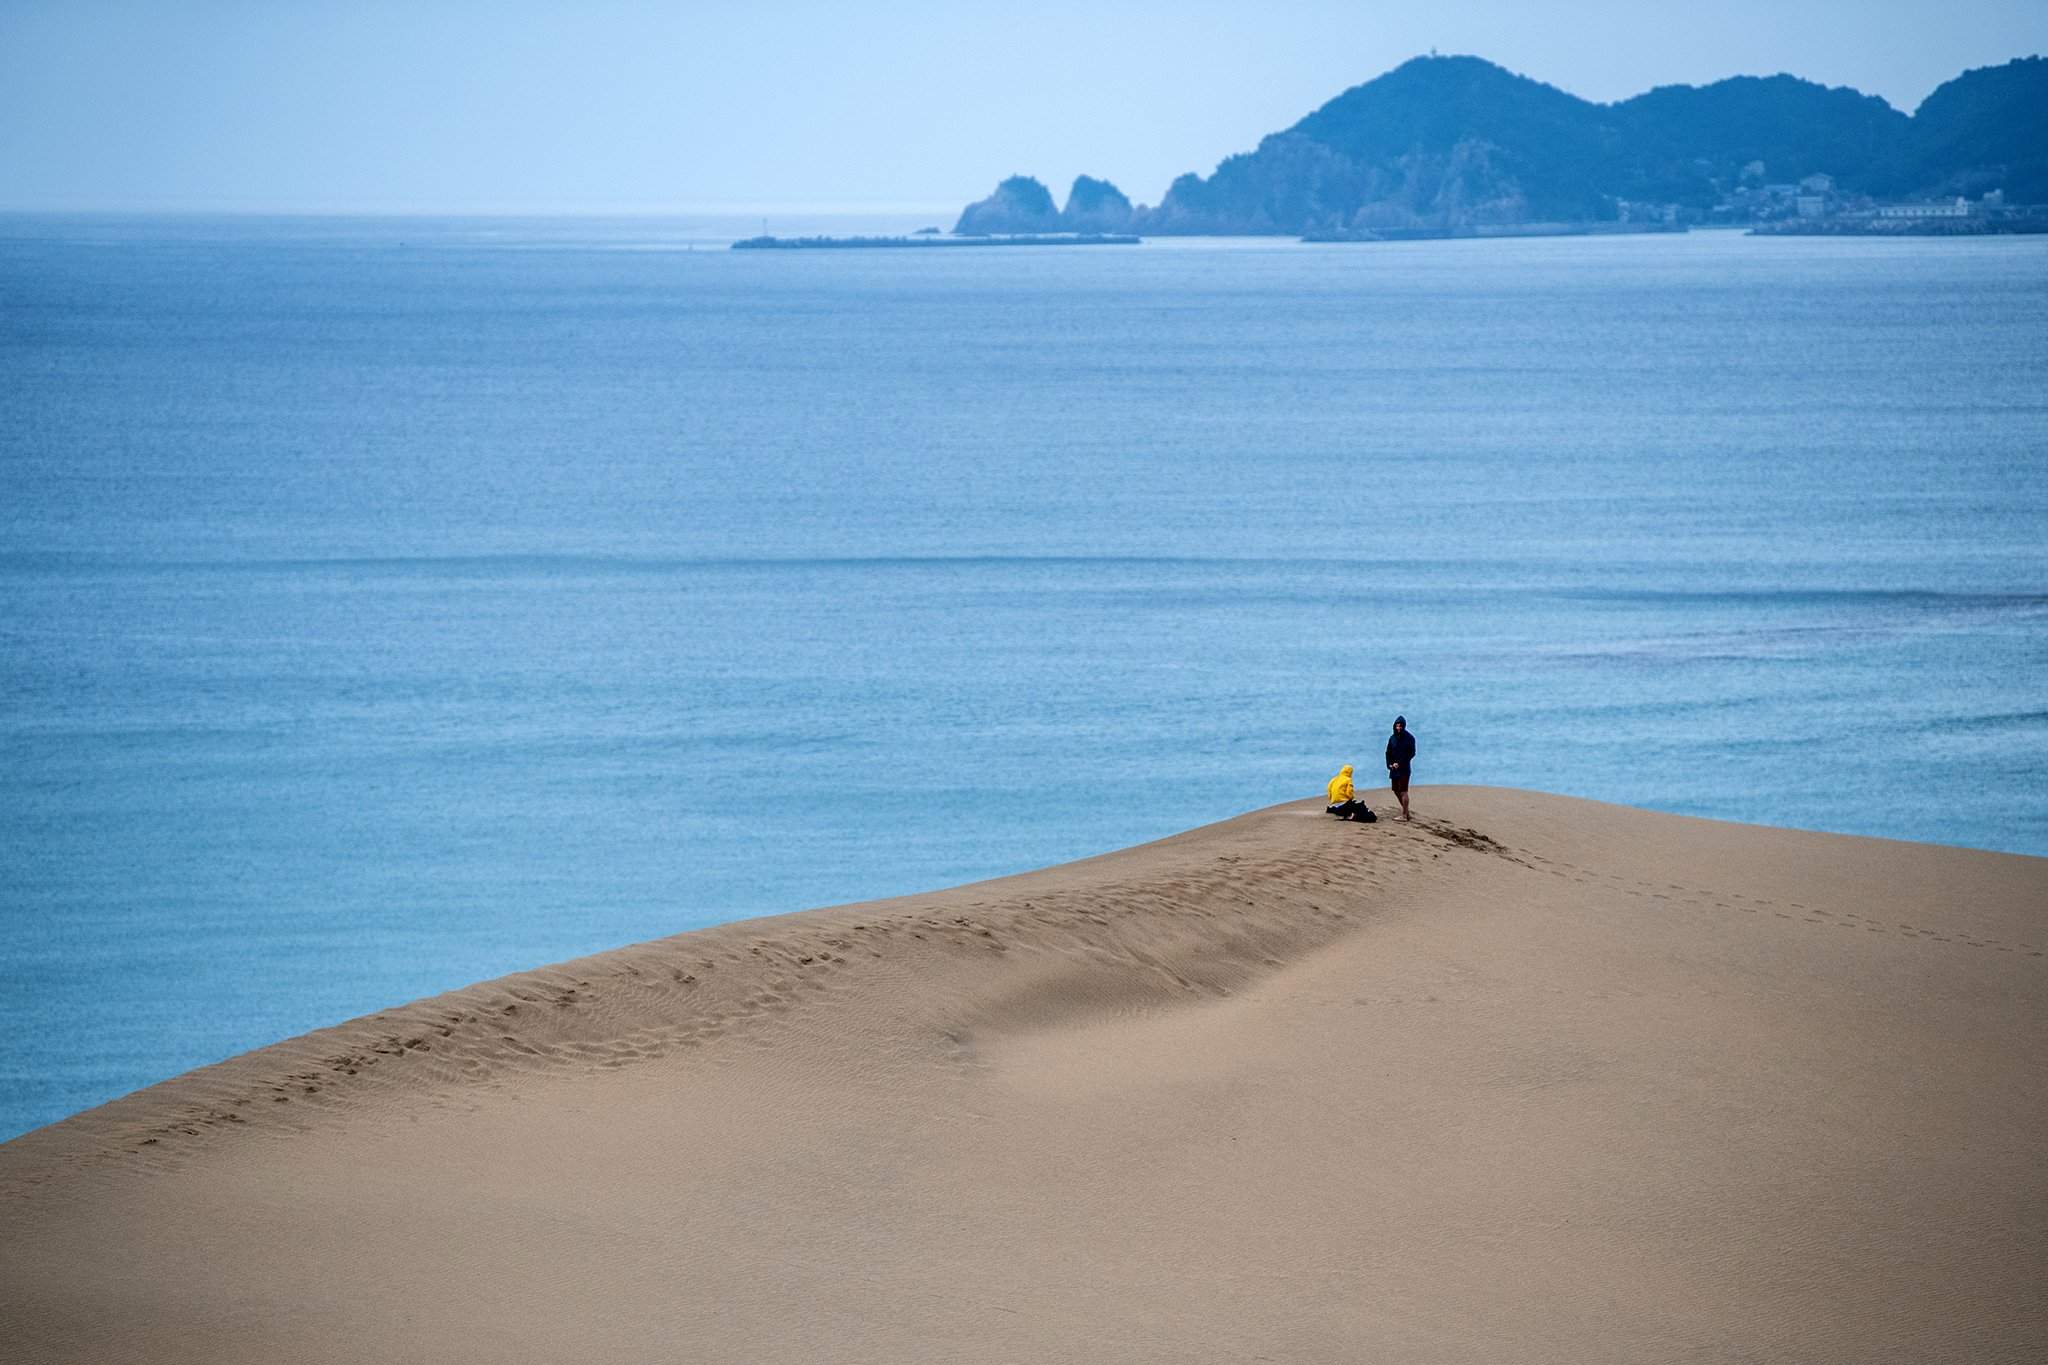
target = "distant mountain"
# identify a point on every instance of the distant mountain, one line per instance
(1986, 129)
(1683, 143)
(1455, 141)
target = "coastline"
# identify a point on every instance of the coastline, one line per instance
(1603, 1083)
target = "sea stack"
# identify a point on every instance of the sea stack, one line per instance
(1019, 204)
(1095, 206)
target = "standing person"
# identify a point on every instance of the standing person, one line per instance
(1400, 753)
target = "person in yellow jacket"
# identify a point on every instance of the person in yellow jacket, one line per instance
(1343, 801)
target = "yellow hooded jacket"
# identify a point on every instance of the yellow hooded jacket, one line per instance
(1340, 785)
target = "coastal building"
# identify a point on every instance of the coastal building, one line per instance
(1637, 211)
(1813, 197)
(1959, 208)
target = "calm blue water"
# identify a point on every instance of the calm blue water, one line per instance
(385, 605)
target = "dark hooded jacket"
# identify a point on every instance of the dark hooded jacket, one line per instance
(1401, 748)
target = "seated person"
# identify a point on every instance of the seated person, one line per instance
(1343, 804)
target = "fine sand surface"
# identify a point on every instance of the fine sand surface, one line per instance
(1534, 1079)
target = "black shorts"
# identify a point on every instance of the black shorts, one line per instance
(1398, 778)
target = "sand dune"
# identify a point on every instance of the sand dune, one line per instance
(1536, 1080)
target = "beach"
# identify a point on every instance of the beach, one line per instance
(1533, 1078)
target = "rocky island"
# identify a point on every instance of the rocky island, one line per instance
(1022, 204)
(1021, 212)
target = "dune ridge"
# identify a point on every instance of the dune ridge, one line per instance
(1534, 1077)
(647, 1000)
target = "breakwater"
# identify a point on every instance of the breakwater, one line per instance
(869, 243)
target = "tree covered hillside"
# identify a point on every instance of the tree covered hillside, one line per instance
(1682, 143)
(1986, 129)
(1454, 141)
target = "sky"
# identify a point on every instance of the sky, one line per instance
(604, 106)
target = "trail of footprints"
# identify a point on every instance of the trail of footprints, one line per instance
(1677, 894)
(688, 993)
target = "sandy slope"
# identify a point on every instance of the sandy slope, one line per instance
(1543, 1081)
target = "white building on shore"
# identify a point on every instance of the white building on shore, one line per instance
(1960, 208)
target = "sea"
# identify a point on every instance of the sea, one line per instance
(387, 604)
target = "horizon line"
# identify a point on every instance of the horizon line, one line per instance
(242, 208)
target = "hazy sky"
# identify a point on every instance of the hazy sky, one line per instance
(605, 105)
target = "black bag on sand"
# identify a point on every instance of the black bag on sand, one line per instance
(1364, 816)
